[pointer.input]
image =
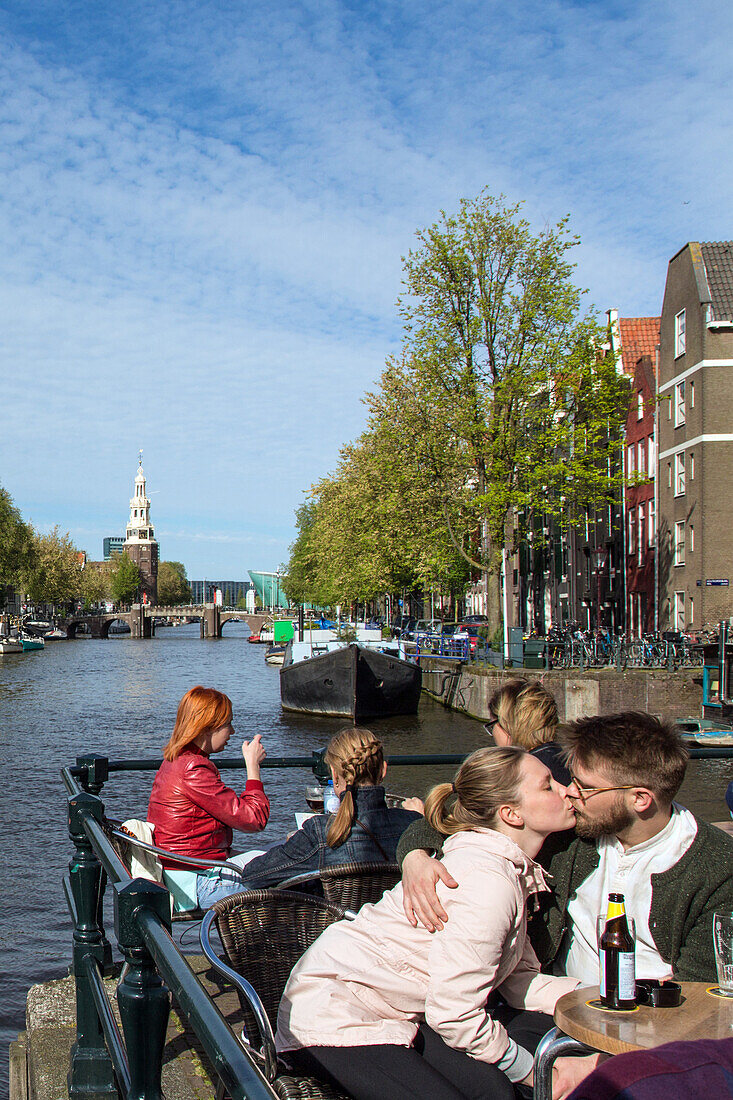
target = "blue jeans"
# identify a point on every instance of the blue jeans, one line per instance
(219, 882)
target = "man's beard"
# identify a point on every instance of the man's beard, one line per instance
(614, 821)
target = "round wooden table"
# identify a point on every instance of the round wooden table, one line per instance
(699, 1016)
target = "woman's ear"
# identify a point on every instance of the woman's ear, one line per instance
(510, 815)
(384, 769)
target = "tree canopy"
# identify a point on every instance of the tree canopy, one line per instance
(500, 414)
(16, 541)
(173, 586)
(54, 571)
(124, 579)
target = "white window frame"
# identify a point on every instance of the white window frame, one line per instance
(680, 409)
(679, 474)
(651, 455)
(680, 334)
(650, 523)
(679, 542)
(639, 405)
(692, 611)
(630, 460)
(669, 475)
(692, 466)
(691, 393)
(640, 534)
(640, 460)
(691, 539)
(632, 529)
(679, 611)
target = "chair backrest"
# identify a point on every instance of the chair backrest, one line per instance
(351, 885)
(264, 933)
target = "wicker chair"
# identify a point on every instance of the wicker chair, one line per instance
(349, 885)
(264, 933)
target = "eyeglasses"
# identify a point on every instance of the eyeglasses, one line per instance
(584, 793)
(489, 726)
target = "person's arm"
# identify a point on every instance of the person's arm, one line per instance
(248, 812)
(298, 854)
(421, 875)
(696, 959)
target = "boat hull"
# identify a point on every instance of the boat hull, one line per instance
(351, 682)
(32, 643)
(10, 645)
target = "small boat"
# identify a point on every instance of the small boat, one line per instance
(275, 654)
(357, 680)
(29, 642)
(10, 645)
(54, 635)
(39, 628)
(254, 638)
(705, 731)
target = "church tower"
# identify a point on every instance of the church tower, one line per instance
(140, 544)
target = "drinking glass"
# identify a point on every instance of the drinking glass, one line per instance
(723, 944)
(314, 798)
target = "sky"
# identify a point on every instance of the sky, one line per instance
(204, 205)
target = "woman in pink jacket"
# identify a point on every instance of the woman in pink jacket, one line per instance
(384, 1009)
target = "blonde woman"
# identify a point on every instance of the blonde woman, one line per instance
(383, 1008)
(524, 713)
(364, 828)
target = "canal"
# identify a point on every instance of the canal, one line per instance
(118, 698)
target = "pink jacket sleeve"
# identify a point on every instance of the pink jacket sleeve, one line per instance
(527, 987)
(248, 812)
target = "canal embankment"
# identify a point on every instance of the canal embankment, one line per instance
(468, 687)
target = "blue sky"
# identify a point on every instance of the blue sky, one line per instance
(203, 208)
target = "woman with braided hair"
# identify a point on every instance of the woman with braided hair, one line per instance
(364, 828)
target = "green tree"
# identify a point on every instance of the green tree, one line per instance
(173, 586)
(54, 572)
(16, 542)
(124, 579)
(500, 409)
(96, 582)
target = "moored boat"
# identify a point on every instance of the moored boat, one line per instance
(705, 731)
(355, 680)
(29, 642)
(10, 645)
(275, 654)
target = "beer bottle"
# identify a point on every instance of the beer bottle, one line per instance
(618, 978)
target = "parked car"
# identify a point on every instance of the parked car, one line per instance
(475, 619)
(468, 631)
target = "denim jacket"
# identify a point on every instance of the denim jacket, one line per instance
(308, 850)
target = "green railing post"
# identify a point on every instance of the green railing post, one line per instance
(95, 774)
(92, 779)
(91, 1075)
(142, 997)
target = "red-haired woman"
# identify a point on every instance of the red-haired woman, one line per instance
(193, 813)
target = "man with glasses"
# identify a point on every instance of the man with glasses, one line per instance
(630, 837)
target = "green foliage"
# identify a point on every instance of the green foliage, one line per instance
(173, 586)
(16, 541)
(124, 579)
(54, 570)
(96, 583)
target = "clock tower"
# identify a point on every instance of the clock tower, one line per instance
(140, 544)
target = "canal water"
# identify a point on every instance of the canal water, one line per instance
(118, 697)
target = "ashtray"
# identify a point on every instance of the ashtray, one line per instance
(656, 994)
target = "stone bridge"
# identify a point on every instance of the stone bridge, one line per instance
(141, 620)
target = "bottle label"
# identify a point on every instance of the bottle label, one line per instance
(626, 976)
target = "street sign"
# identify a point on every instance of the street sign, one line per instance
(718, 582)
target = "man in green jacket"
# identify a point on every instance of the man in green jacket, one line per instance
(630, 838)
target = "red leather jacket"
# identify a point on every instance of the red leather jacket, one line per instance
(194, 813)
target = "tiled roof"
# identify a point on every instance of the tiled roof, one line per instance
(639, 336)
(718, 259)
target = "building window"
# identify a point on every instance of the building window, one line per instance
(679, 334)
(640, 463)
(692, 466)
(679, 474)
(692, 539)
(639, 405)
(692, 394)
(632, 529)
(679, 404)
(692, 611)
(630, 460)
(679, 611)
(679, 543)
(669, 475)
(650, 523)
(652, 456)
(640, 536)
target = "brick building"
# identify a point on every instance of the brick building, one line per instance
(639, 337)
(695, 432)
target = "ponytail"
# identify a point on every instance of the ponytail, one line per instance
(487, 779)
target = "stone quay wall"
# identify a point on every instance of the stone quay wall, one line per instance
(468, 688)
